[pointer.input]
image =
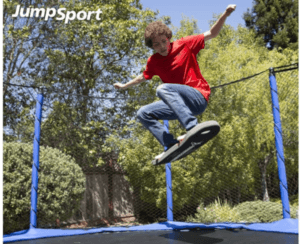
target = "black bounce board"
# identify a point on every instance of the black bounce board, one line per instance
(194, 139)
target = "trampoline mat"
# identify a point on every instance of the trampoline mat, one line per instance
(208, 236)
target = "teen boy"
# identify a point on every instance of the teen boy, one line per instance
(185, 92)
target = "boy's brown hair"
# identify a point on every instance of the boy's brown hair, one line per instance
(156, 28)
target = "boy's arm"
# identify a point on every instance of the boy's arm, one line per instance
(214, 31)
(137, 80)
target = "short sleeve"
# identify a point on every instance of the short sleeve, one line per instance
(149, 71)
(195, 42)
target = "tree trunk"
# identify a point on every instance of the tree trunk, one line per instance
(263, 170)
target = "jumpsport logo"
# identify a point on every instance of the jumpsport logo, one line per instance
(51, 12)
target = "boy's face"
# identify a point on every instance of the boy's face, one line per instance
(161, 44)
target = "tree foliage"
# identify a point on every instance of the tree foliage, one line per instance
(73, 62)
(24, 59)
(274, 21)
(244, 108)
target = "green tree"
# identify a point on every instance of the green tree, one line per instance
(244, 108)
(275, 22)
(91, 57)
(23, 59)
(81, 59)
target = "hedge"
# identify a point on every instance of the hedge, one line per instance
(60, 190)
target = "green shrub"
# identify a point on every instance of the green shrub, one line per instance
(250, 212)
(60, 189)
(264, 212)
(215, 213)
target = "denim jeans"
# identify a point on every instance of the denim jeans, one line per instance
(179, 102)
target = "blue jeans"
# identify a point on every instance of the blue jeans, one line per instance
(179, 102)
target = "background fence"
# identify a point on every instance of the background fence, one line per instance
(237, 167)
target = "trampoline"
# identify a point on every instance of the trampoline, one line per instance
(175, 237)
(283, 231)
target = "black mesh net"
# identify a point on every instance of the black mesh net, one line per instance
(234, 178)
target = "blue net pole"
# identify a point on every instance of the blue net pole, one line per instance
(35, 165)
(279, 146)
(169, 183)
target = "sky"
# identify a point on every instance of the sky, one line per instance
(200, 10)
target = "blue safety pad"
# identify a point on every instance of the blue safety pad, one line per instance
(289, 226)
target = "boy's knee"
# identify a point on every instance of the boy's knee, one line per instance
(143, 114)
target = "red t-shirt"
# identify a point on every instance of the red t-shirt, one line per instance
(180, 66)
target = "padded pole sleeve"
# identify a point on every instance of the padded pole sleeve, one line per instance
(279, 146)
(35, 165)
(169, 183)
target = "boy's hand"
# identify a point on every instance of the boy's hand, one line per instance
(230, 9)
(119, 86)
